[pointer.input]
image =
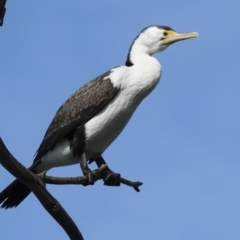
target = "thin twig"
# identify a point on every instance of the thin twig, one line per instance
(100, 173)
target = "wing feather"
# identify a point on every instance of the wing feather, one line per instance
(83, 105)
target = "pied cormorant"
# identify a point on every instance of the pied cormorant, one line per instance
(92, 118)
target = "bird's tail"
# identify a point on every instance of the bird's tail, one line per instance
(14, 194)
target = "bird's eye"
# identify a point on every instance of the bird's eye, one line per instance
(165, 34)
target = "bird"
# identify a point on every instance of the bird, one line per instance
(93, 117)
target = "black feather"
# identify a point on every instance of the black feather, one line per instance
(82, 106)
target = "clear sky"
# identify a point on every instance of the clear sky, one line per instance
(182, 142)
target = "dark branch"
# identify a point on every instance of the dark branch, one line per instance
(135, 185)
(83, 180)
(102, 172)
(37, 185)
(53, 207)
(2, 11)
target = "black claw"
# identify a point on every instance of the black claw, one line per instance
(112, 179)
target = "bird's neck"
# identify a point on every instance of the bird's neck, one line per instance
(137, 54)
(144, 72)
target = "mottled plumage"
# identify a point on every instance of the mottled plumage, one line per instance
(83, 105)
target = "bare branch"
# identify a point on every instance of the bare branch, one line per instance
(2, 11)
(36, 182)
(135, 185)
(83, 180)
(53, 207)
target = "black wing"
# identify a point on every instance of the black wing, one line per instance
(83, 105)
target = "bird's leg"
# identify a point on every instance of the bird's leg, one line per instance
(86, 170)
(110, 178)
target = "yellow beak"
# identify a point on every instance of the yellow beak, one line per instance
(173, 37)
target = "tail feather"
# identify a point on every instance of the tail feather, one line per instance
(14, 194)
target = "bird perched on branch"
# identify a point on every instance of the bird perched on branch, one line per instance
(92, 118)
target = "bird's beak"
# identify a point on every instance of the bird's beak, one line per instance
(173, 36)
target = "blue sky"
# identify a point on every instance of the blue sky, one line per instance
(182, 142)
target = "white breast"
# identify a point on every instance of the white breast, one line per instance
(108, 124)
(135, 85)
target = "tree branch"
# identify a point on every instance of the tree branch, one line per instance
(83, 180)
(36, 182)
(53, 207)
(2, 11)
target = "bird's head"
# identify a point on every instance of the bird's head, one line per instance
(155, 39)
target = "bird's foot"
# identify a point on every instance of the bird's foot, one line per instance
(90, 175)
(112, 179)
(90, 178)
